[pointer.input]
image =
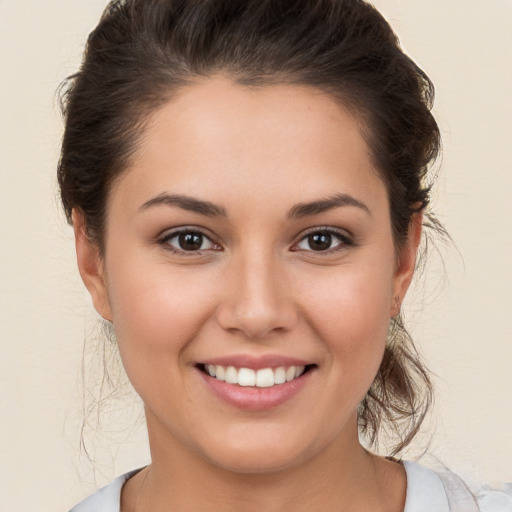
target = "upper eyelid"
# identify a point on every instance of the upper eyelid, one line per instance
(172, 232)
(325, 229)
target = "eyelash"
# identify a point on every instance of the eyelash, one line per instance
(345, 240)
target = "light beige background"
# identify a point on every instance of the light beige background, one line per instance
(464, 329)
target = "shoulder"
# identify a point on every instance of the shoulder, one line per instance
(106, 499)
(443, 491)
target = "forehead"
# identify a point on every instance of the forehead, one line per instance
(218, 138)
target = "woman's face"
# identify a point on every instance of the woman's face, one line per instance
(250, 239)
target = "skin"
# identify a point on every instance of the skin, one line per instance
(257, 288)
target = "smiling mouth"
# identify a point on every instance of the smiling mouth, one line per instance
(262, 378)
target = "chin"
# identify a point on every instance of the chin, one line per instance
(258, 452)
(255, 461)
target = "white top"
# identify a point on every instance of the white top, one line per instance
(427, 491)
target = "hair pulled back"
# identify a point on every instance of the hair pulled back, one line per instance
(143, 51)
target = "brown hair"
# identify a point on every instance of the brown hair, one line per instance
(142, 51)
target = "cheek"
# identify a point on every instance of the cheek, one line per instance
(350, 313)
(158, 311)
(157, 307)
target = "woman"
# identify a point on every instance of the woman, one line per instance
(247, 183)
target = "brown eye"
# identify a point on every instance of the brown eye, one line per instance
(320, 241)
(190, 241)
(324, 241)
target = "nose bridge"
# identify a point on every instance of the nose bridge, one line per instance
(257, 302)
(258, 280)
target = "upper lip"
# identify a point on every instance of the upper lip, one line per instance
(256, 362)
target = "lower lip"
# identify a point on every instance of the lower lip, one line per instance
(253, 398)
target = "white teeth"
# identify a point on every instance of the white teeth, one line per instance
(246, 377)
(280, 375)
(231, 376)
(263, 378)
(220, 372)
(299, 370)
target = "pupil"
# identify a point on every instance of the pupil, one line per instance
(320, 241)
(191, 241)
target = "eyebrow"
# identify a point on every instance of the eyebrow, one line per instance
(186, 203)
(315, 207)
(209, 209)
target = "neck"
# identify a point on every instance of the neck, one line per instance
(343, 476)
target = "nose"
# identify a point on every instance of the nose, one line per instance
(258, 300)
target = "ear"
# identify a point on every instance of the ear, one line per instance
(90, 266)
(406, 263)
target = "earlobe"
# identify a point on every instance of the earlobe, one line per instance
(406, 263)
(90, 266)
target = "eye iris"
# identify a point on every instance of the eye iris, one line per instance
(191, 241)
(320, 241)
